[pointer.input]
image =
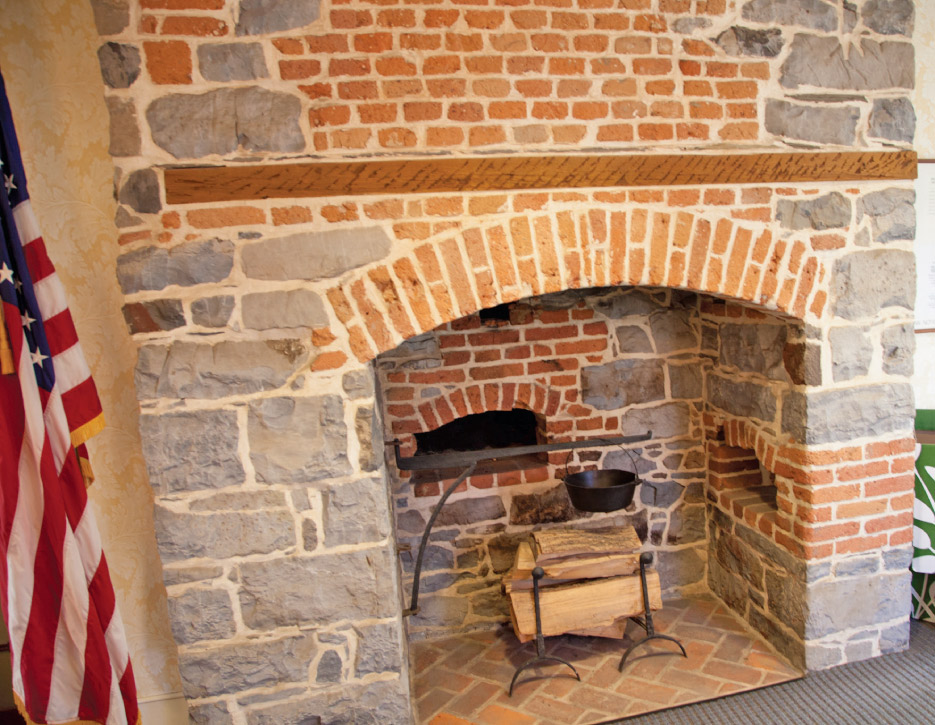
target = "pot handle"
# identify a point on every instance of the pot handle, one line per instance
(636, 469)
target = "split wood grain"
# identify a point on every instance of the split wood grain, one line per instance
(585, 605)
(204, 184)
(555, 544)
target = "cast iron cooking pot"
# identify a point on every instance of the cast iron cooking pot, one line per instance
(607, 490)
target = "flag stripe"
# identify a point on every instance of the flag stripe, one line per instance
(68, 647)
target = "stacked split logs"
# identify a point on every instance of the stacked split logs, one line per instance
(591, 583)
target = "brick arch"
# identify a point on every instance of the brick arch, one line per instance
(518, 256)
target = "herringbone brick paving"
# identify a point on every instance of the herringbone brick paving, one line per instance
(464, 679)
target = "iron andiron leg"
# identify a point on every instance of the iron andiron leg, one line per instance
(645, 560)
(541, 656)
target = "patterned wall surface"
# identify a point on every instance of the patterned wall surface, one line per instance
(47, 54)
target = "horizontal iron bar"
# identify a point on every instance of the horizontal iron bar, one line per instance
(459, 459)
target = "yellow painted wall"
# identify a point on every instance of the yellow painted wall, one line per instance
(48, 59)
(924, 102)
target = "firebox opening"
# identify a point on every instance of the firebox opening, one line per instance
(495, 316)
(480, 431)
(493, 429)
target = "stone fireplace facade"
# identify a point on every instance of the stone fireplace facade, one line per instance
(771, 323)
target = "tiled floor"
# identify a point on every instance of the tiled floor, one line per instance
(464, 679)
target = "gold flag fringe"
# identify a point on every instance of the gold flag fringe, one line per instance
(87, 431)
(7, 364)
(30, 721)
(87, 473)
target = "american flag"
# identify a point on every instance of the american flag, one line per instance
(67, 645)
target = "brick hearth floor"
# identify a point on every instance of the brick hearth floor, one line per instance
(464, 679)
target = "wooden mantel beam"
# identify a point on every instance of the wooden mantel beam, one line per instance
(204, 184)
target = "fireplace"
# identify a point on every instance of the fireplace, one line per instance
(755, 317)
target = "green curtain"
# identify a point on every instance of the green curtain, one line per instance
(923, 535)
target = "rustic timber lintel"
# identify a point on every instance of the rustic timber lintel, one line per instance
(200, 185)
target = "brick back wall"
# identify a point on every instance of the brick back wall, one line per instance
(589, 364)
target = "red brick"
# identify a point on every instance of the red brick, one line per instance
(650, 24)
(377, 113)
(484, 19)
(373, 42)
(226, 217)
(566, 66)
(885, 523)
(441, 18)
(420, 41)
(591, 43)
(507, 109)
(395, 66)
(199, 27)
(396, 18)
(522, 64)
(441, 64)
(346, 66)
(534, 88)
(182, 4)
(466, 112)
(529, 19)
(652, 66)
(329, 116)
(168, 62)
(486, 135)
(350, 19)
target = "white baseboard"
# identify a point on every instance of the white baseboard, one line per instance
(169, 709)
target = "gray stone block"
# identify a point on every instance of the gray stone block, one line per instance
(550, 506)
(821, 61)
(660, 494)
(686, 380)
(191, 451)
(239, 501)
(309, 535)
(120, 64)
(830, 211)
(842, 415)
(245, 665)
(355, 513)
(892, 214)
(201, 614)
(893, 119)
(631, 338)
(785, 599)
(814, 14)
(788, 645)
(125, 137)
(260, 17)
(840, 604)
(225, 120)
(851, 352)
(110, 16)
(441, 611)
(865, 282)
(687, 525)
(755, 349)
(329, 667)
(803, 363)
(673, 331)
(368, 427)
(818, 124)
(153, 316)
(232, 62)
(897, 559)
(470, 511)
(821, 657)
(626, 304)
(742, 398)
(665, 421)
(857, 566)
(141, 192)
(748, 42)
(291, 591)
(173, 576)
(859, 650)
(212, 713)
(899, 344)
(358, 383)
(378, 649)
(621, 383)
(436, 557)
(410, 522)
(687, 26)
(383, 702)
(297, 440)
(193, 370)
(222, 535)
(315, 255)
(155, 268)
(680, 567)
(889, 17)
(124, 219)
(282, 309)
(212, 311)
(895, 638)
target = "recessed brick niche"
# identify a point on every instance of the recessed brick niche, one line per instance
(762, 330)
